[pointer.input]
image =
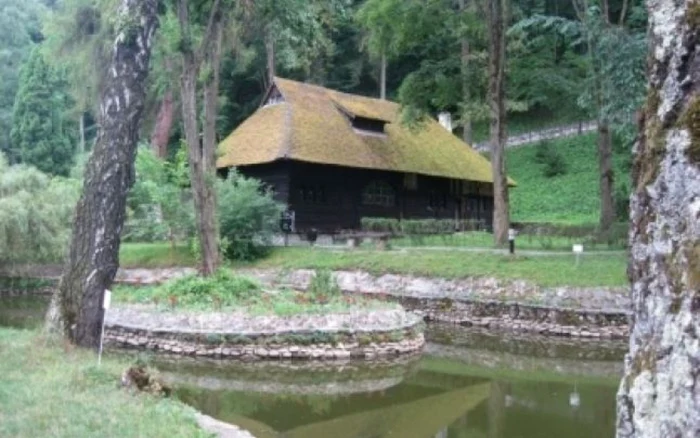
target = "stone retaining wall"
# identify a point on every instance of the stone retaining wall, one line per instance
(342, 345)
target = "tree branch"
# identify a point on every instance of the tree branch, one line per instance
(623, 13)
(209, 32)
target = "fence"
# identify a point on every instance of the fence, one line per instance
(544, 134)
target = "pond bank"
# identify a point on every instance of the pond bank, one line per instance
(365, 334)
(496, 304)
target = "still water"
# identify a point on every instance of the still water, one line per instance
(468, 384)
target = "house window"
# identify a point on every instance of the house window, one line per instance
(437, 200)
(379, 193)
(310, 194)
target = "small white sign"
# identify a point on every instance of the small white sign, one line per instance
(578, 249)
(107, 300)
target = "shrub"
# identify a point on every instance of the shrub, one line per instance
(323, 285)
(380, 224)
(36, 214)
(159, 207)
(248, 217)
(552, 160)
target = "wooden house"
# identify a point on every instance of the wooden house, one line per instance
(334, 158)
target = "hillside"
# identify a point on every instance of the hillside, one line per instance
(568, 198)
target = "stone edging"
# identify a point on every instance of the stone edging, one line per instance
(349, 343)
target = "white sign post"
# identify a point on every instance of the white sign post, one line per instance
(106, 302)
(578, 250)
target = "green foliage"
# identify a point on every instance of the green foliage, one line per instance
(158, 205)
(36, 212)
(248, 217)
(19, 30)
(323, 285)
(552, 160)
(569, 198)
(41, 136)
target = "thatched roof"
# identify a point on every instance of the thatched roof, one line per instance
(313, 124)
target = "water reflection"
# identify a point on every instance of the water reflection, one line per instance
(469, 384)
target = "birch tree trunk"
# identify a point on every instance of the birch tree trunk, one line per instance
(496, 98)
(659, 395)
(94, 250)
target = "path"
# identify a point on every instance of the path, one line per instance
(543, 134)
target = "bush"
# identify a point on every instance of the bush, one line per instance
(159, 207)
(551, 158)
(36, 214)
(248, 217)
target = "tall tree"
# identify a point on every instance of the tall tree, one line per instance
(20, 29)
(496, 101)
(203, 55)
(41, 134)
(660, 392)
(93, 260)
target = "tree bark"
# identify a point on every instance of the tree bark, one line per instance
(466, 95)
(270, 51)
(201, 151)
(93, 259)
(606, 175)
(164, 124)
(81, 144)
(382, 77)
(659, 395)
(501, 218)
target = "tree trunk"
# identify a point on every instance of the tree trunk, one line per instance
(164, 124)
(81, 144)
(606, 174)
(501, 219)
(270, 51)
(93, 259)
(382, 77)
(200, 153)
(659, 395)
(466, 95)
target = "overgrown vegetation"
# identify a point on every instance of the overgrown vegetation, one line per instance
(569, 198)
(248, 217)
(227, 291)
(52, 389)
(36, 211)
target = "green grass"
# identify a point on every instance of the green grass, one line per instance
(480, 239)
(226, 292)
(47, 390)
(594, 270)
(571, 198)
(154, 255)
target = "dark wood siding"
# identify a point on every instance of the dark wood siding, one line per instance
(330, 198)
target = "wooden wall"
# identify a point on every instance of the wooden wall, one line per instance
(329, 198)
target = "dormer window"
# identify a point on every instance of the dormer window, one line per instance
(364, 125)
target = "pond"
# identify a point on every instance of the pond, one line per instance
(468, 384)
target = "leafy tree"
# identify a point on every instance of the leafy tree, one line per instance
(36, 211)
(20, 29)
(41, 135)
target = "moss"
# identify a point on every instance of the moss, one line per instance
(675, 306)
(644, 360)
(692, 16)
(691, 121)
(693, 256)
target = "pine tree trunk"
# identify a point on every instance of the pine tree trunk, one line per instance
(382, 77)
(466, 95)
(606, 174)
(501, 219)
(164, 124)
(659, 395)
(93, 259)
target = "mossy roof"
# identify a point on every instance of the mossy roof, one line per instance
(313, 125)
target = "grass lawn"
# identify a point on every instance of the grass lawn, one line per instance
(594, 270)
(154, 255)
(225, 291)
(555, 270)
(480, 239)
(47, 390)
(569, 198)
